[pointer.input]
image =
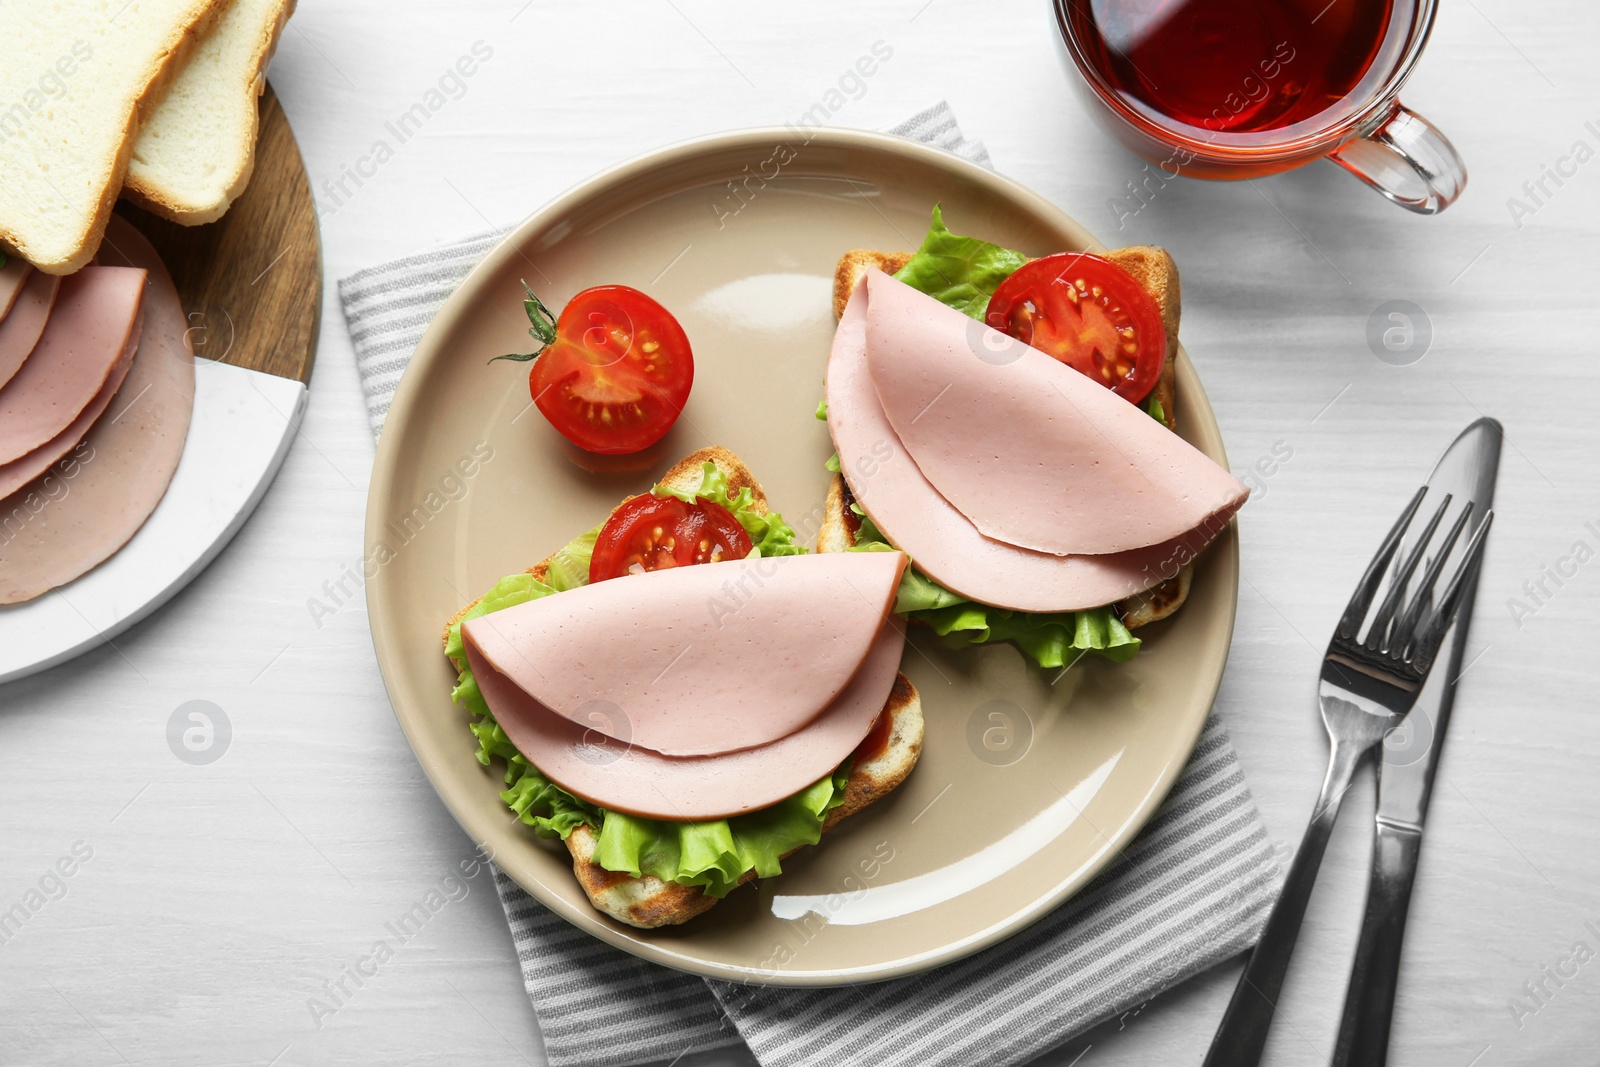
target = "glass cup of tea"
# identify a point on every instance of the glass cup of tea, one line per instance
(1237, 89)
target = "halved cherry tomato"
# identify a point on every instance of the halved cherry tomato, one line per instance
(1088, 313)
(613, 372)
(656, 532)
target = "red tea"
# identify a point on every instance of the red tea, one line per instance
(1233, 66)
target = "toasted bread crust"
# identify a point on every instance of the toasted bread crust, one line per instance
(648, 902)
(837, 533)
(872, 780)
(856, 262)
(1157, 603)
(1157, 273)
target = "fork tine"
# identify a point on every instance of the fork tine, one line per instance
(1367, 588)
(1428, 643)
(1378, 636)
(1405, 631)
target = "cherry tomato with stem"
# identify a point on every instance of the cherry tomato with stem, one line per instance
(612, 372)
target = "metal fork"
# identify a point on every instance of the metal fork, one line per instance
(1368, 685)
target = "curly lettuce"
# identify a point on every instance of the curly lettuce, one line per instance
(714, 855)
(1053, 639)
(962, 272)
(717, 855)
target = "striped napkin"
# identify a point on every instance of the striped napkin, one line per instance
(1192, 889)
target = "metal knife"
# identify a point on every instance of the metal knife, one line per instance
(1405, 781)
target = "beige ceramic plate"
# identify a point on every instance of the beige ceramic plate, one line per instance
(1028, 784)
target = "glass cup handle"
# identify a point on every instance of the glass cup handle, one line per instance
(1408, 160)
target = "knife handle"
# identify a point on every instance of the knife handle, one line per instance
(1375, 975)
(1242, 1037)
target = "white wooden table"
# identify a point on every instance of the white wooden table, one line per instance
(216, 900)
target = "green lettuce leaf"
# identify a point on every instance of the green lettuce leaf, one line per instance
(1054, 639)
(714, 855)
(569, 568)
(507, 592)
(550, 810)
(962, 272)
(769, 533)
(917, 591)
(1057, 639)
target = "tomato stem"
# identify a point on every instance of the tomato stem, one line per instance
(542, 328)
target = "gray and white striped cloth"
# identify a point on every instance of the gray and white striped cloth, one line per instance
(1192, 889)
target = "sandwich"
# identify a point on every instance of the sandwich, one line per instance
(676, 774)
(1039, 506)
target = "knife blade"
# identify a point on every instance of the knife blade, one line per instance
(1406, 777)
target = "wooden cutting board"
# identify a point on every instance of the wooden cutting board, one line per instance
(251, 282)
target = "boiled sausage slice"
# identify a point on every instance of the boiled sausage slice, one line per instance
(701, 660)
(88, 330)
(1032, 452)
(617, 776)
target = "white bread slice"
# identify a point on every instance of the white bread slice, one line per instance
(1155, 271)
(195, 153)
(77, 78)
(648, 902)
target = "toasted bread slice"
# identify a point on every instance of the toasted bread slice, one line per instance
(77, 80)
(648, 902)
(1154, 269)
(195, 152)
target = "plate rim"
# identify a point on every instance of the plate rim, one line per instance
(1224, 555)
